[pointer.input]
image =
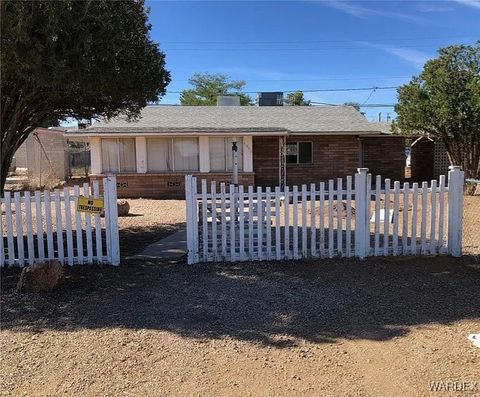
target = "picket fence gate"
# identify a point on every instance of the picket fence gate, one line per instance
(31, 235)
(351, 218)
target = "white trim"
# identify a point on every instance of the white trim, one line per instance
(95, 155)
(141, 154)
(204, 153)
(247, 154)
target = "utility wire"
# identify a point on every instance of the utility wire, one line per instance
(366, 100)
(332, 78)
(392, 39)
(294, 48)
(308, 90)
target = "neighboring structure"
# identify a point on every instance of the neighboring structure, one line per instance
(429, 159)
(277, 145)
(44, 154)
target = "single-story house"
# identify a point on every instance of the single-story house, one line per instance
(277, 145)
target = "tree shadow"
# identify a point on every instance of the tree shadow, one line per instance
(278, 304)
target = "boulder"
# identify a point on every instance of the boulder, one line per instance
(123, 207)
(40, 277)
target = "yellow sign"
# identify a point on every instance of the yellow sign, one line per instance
(91, 205)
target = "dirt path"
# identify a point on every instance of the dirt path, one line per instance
(334, 328)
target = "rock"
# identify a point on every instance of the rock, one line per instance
(123, 207)
(41, 277)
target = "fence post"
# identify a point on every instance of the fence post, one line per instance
(112, 226)
(361, 234)
(455, 210)
(190, 224)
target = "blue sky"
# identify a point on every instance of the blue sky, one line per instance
(308, 45)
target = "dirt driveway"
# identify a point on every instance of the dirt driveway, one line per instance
(331, 328)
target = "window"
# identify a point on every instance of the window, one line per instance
(158, 155)
(172, 154)
(299, 153)
(221, 154)
(118, 155)
(185, 154)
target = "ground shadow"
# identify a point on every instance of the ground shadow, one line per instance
(134, 239)
(276, 304)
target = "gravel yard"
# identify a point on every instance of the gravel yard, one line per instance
(382, 327)
(331, 328)
(149, 221)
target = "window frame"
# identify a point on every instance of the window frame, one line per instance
(298, 153)
(117, 144)
(171, 153)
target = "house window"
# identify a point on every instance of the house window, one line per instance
(221, 154)
(118, 155)
(299, 153)
(172, 154)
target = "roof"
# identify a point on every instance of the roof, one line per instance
(383, 126)
(246, 119)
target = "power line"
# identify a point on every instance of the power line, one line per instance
(294, 48)
(392, 39)
(356, 47)
(308, 90)
(366, 100)
(324, 79)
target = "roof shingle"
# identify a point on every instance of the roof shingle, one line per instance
(240, 118)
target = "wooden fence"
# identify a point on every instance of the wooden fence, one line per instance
(357, 217)
(46, 225)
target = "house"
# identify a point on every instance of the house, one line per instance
(276, 145)
(43, 155)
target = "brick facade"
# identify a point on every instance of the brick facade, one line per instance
(265, 160)
(385, 156)
(333, 157)
(168, 185)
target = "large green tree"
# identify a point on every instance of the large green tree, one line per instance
(296, 99)
(206, 88)
(80, 59)
(444, 102)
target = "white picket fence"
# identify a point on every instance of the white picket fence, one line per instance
(46, 225)
(351, 217)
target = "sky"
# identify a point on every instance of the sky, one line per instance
(310, 45)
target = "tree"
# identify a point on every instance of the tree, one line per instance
(444, 102)
(80, 59)
(296, 99)
(206, 88)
